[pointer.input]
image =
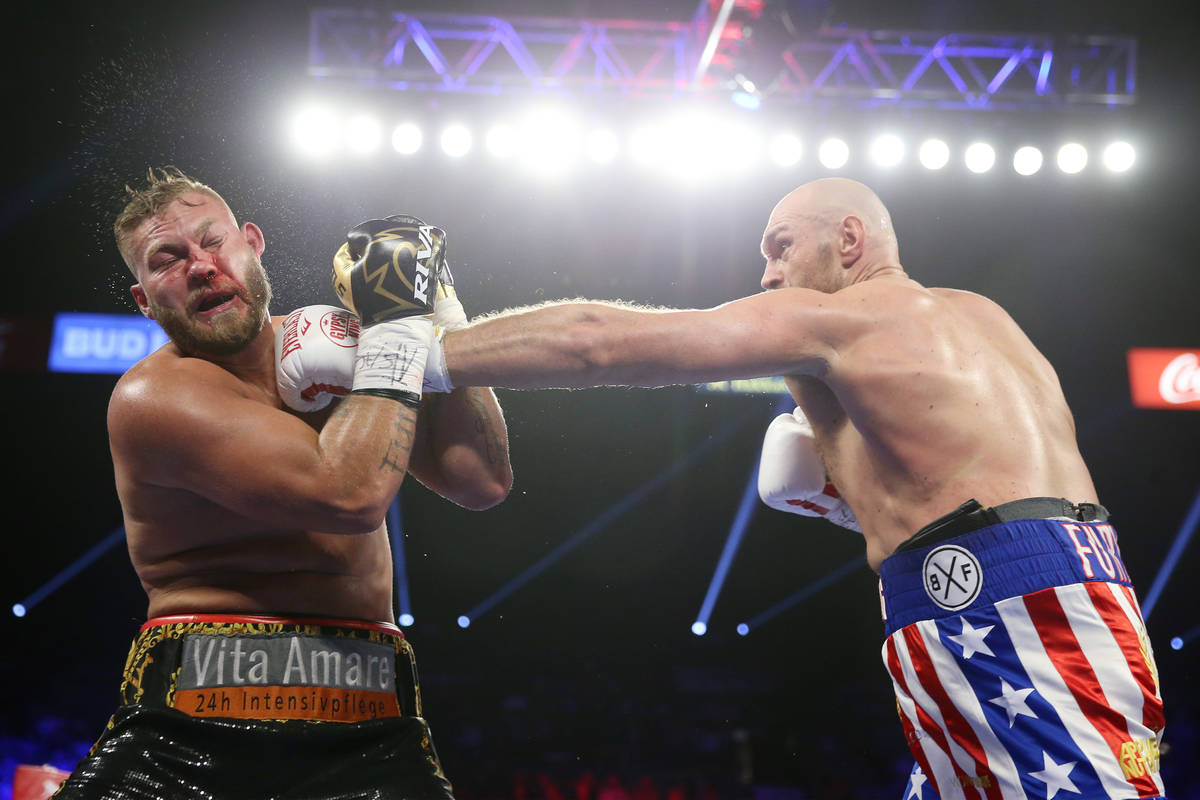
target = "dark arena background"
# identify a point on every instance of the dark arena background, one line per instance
(630, 623)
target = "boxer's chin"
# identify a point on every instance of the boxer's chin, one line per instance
(223, 335)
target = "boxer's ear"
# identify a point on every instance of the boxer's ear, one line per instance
(139, 297)
(851, 240)
(254, 237)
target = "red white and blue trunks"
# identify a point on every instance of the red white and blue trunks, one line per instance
(1020, 659)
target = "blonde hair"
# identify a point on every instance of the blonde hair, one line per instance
(165, 186)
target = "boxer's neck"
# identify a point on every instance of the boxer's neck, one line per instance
(255, 363)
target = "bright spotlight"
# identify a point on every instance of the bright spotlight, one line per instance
(456, 141)
(1119, 156)
(699, 628)
(315, 131)
(19, 611)
(734, 148)
(406, 620)
(934, 154)
(549, 141)
(464, 621)
(887, 150)
(833, 153)
(363, 134)
(1027, 160)
(647, 145)
(406, 138)
(502, 141)
(1072, 158)
(747, 100)
(784, 149)
(697, 146)
(980, 157)
(1176, 642)
(743, 629)
(602, 146)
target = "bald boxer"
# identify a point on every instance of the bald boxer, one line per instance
(1014, 640)
(255, 462)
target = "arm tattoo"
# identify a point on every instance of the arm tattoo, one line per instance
(484, 426)
(398, 449)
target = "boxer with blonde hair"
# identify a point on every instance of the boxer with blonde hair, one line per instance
(255, 459)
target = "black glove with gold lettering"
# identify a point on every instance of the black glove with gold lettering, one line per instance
(386, 273)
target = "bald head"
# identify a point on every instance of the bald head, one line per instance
(828, 234)
(830, 200)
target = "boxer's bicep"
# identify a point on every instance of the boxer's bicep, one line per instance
(759, 336)
(200, 437)
(241, 454)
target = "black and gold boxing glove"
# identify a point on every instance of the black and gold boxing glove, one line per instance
(390, 268)
(386, 273)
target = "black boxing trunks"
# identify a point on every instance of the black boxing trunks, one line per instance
(1019, 656)
(223, 706)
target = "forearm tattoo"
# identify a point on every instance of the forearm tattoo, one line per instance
(400, 445)
(485, 425)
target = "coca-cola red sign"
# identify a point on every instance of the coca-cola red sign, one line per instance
(1160, 377)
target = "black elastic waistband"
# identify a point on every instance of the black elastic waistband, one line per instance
(972, 516)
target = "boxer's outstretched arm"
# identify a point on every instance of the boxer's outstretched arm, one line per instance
(461, 447)
(577, 344)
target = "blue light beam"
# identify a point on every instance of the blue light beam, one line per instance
(396, 529)
(613, 512)
(70, 571)
(732, 543)
(1168, 566)
(1177, 642)
(734, 540)
(797, 598)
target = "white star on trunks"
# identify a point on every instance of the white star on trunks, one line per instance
(1013, 702)
(971, 639)
(918, 782)
(1055, 776)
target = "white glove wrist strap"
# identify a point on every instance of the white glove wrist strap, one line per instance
(449, 313)
(437, 376)
(391, 356)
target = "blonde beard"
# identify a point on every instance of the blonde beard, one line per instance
(224, 338)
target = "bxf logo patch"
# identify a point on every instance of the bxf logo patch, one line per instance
(952, 577)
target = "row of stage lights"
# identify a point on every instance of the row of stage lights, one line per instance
(693, 145)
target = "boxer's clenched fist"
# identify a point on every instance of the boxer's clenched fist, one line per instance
(791, 476)
(387, 274)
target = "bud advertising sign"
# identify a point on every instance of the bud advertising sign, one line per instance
(1164, 378)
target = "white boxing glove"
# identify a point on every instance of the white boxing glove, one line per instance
(315, 349)
(791, 476)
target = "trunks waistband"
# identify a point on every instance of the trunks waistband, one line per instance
(972, 516)
(259, 619)
(272, 668)
(947, 575)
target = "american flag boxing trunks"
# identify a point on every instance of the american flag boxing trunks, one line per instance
(1021, 665)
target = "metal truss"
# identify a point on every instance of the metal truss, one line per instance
(707, 56)
(961, 70)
